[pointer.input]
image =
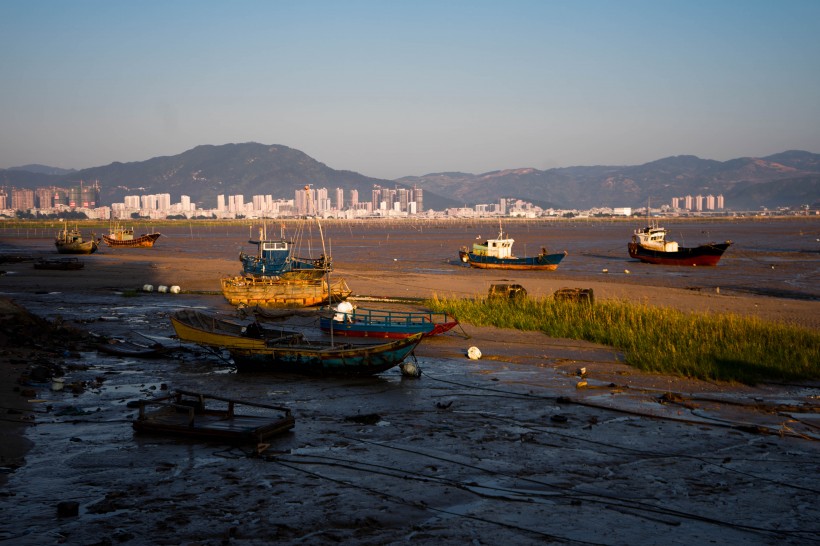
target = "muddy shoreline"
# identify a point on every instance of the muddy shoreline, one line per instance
(506, 448)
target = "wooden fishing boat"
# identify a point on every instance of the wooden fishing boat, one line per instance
(326, 358)
(649, 245)
(355, 322)
(274, 258)
(273, 292)
(59, 264)
(497, 254)
(215, 331)
(211, 417)
(72, 242)
(124, 238)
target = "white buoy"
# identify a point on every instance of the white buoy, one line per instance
(174, 289)
(162, 289)
(626, 271)
(409, 369)
(473, 353)
(147, 288)
(605, 270)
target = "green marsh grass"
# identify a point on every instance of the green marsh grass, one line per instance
(720, 347)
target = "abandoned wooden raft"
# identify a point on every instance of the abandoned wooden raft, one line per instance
(212, 417)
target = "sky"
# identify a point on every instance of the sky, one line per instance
(406, 88)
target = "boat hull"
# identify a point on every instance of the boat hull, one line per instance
(542, 262)
(203, 329)
(88, 247)
(346, 360)
(264, 292)
(143, 241)
(59, 264)
(703, 255)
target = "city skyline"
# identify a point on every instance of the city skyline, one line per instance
(307, 201)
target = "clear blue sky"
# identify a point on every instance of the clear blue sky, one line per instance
(395, 88)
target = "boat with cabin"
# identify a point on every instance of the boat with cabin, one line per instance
(274, 258)
(72, 242)
(121, 237)
(497, 254)
(649, 245)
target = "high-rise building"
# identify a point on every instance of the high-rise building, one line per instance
(340, 199)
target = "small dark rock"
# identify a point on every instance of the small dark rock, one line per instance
(68, 509)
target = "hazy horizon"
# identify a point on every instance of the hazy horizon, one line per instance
(392, 89)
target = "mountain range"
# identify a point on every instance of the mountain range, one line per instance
(787, 179)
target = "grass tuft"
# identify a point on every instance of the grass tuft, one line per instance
(720, 347)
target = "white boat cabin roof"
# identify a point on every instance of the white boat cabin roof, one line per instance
(498, 248)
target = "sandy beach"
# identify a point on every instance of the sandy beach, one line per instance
(497, 449)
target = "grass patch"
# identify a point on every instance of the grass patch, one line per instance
(720, 347)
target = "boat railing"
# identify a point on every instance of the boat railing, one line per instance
(393, 318)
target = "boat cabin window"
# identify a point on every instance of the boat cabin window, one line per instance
(279, 245)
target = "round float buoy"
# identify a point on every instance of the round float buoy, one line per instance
(473, 353)
(174, 289)
(147, 288)
(409, 369)
(162, 289)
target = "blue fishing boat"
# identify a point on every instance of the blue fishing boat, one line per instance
(350, 321)
(317, 357)
(497, 254)
(274, 258)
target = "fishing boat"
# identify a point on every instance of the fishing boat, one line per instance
(274, 258)
(195, 326)
(649, 245)
(72, 242)
(355, 322)
(311, 357)
(121, 237)
(59, 264)
(275, 292)
(211, 417)
(497, 254)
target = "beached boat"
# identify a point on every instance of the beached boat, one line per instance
(649, 245)
(210, 417)
(354, 322)
(72, 242)
(274, 258)
(121, 237)
(274, 292)
(59, 264)
(127, 348)
(216, 331)
(497, 254)
(326, 357)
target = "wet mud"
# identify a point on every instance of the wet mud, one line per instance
(539, 441)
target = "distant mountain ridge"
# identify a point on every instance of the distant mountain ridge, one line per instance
(790, 178)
